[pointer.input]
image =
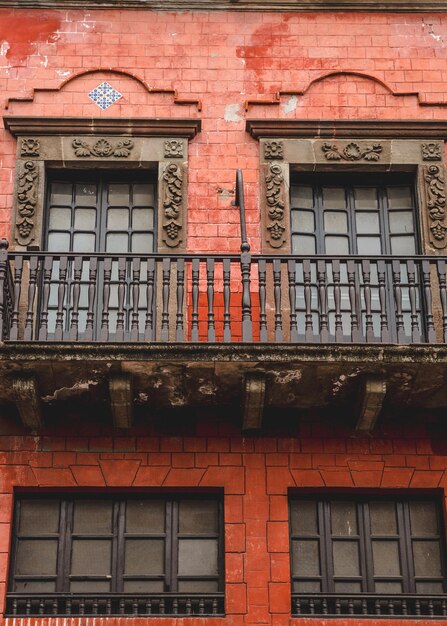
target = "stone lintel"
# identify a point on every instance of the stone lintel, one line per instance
(372, 394)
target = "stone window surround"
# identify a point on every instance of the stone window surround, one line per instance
(160, 146)
(345, 146)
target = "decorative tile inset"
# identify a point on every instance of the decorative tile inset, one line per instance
(104, 95)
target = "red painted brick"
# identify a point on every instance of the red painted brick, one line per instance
(397, 477)
(280, 567)
(184, 478)
(279, 597)
(151, 476)
(278, 537)
(236, 598)
(279, 479)
(119, 473)
(234, 567)
(54, 477)
(88, 475)
(231, 478)
(307, 478)
(235, 537)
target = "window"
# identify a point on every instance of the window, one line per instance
(117, 555)
(366, 555)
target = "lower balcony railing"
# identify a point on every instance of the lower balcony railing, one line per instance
(163, 604)
(368, 605)
(226, 298)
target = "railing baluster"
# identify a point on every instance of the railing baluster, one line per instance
(354, 300)
(18, 275)
(247, 328)
(337, 300)
(77, 272)
(165, 299)
(226, 267)
(322, 299)
(43, 322)
(195, 300)
(135, 317)
(415, 332)
(381, 275)
(91, 298)
(210, 299)
(443, 296)
(431, 336)
(179, 325)
(366, 273)
(292, 299)
(149, 334)
(106, 298)
(397, 288)
(262, 277)
(277, 296)
(307, 277)
(122, 264)
(59, 326)
(29, 320)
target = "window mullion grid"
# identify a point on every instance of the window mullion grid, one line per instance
(327, 562)
(65, 546)
(352, 230)
(171, 546)
(118, 546)
(366, 556)
(320, 245)
(405, 547)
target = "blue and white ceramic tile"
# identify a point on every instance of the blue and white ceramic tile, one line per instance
(104, 95)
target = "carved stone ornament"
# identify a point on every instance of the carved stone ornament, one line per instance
(274, 184)
(173, 148)
(431, 151)
(172, 204)
(352, 152)
(30, 148)
(274, 150)
(28, 181)
(436, 201)
(102, 148)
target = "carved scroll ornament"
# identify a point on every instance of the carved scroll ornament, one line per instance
(28, 181)
(274, 184)
(436, 201)
(102, 148)
(352, 152)
(172, 204)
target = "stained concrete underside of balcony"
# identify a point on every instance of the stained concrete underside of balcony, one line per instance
(130, 384)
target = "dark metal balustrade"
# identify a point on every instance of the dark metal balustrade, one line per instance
(114, 604)
(225, 298)
(369, 605)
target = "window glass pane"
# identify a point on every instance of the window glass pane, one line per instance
(334, 198)
(92, 516)
(306, 558)
(86, 194)
(423, 517)
(367, 223)
(346, 558)
(303, 221)
(198, 516)
(388, 587)
(427, 561)
(198, 586)
(58, 242)
(39, 517)
(117, 243)
(35, 586)
(61, 194)
(302, 197)
(91, 557)
(401, 222)
(142, 242)
(197, 557)
(335, 222)
(303, 245)
(36, 557)
(85, 219)
(143, 194)
(142, 219)
(429, 587)
(336, 245)
(84, 242)
(399, 197)
(119, 195)
(386, 558)
(365, 197)
(304, 518)
(348, 586)
(60, 219)
(306, 586)
(369, 245)
(403, 245)
(144, 557)
(145, 516)
(118, 219)
(143, 586)
(383, 518)
(343, 518)
(86, 586)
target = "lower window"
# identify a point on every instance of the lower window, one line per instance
(99, 555)
(370, 556)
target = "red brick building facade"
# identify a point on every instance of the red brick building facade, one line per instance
(256, 424)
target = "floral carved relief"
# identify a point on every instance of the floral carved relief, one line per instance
(102, 148)
(436, 203)
(274, 186)
(172, 204)
(30, 148)
(173, 148)
(27, 194)
(431, 151)
(352, 152)
(274, 150)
